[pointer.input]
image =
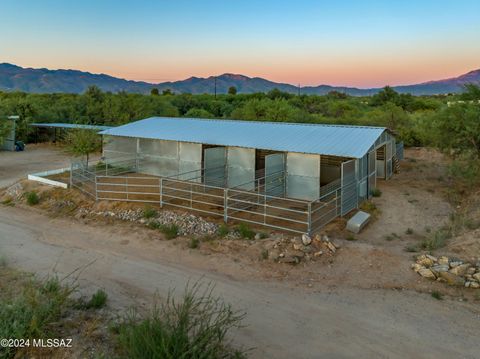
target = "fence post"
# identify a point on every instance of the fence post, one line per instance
(225, 205)
(264, 209)
(71, 174)
(309, 230)
(161, 192)
(96, 191)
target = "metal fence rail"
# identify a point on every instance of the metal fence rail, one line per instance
(120, 182)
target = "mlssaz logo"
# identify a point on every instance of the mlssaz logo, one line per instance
(52, 343)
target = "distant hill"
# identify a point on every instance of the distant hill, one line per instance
(16, 78)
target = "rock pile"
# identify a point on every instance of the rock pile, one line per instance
(294, 250)
(449, 270)
(15, 191)
(187, 223)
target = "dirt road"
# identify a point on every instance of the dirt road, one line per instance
(282, 322)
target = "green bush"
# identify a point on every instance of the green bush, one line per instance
(245, 231)
(437, 239)
(376, 192)
(149, 212)
(350, 237)
(264, 254)
(169, 230)
(98, 300)
(437, 295)
(409, 231)
(30, 312)
(195, 327)
(193, 243)
(223, 230)
(32, 198)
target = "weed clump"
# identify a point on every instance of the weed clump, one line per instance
(194, 327)
(376, 192)
(98, 300)
(149, 212)
(223, 230)
(32, 198)
(169, 230)
(245, 231)
(193, 243)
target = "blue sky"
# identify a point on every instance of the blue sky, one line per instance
(355, 43)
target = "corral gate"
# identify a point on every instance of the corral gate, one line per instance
(349, 187)
(215, 160)
(275, 175)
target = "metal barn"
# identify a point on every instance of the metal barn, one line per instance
(295, 177)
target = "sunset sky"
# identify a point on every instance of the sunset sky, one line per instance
(354, 43)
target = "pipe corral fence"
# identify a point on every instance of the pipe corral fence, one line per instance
(205, 191)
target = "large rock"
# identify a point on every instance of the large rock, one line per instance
(443, 260)
(476, 276)
(426, 273)
(306, 240)
(452, 279)
(416, 267)
(425, 261)
(475, 285)
(331, 247)
(440, 268)
(460, 269)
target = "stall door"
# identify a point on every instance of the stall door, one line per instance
(275, 175)
(349, 187)
(372, 172)
(215, 163)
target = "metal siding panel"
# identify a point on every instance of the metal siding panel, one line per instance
(303, 176)
(215, 163)
(275, 175)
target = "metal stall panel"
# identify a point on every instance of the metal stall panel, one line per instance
(158, 157)
(190, 161)
(362, 169)
(215, 160)
(372, 172)
(349, 187)
(388, 158)
(275, 175)
(303, 176)
(119, 148)
(399, 151)
(241, 168)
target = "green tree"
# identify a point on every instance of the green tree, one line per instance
(198, 113)
(167, 92)
(472, 92)
(83, 142)
(387, 94)
(154, 92)
(457, 128)
(232, 90)
(5, 128)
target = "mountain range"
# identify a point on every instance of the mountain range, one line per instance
(41, 80)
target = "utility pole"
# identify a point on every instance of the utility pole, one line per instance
(298, 89)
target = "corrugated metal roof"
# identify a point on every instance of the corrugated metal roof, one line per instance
(70, 126)
(334, 140)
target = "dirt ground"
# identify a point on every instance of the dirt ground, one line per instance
(35, 158)
(310, 310)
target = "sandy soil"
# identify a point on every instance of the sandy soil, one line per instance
(364, 302)
(282, 321)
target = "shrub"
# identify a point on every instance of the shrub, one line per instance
(3, 261)
(169, 230)
(376, 192)
(193, 243)
(245, 231)
(149, 212)
(350, 237)
(31, 312)
(411, 249)
(32, 198)
(409, 231)
(436, 240)
(98, 300)
(195, 327)
(437, 295)
(264, 254)
(223, 230)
